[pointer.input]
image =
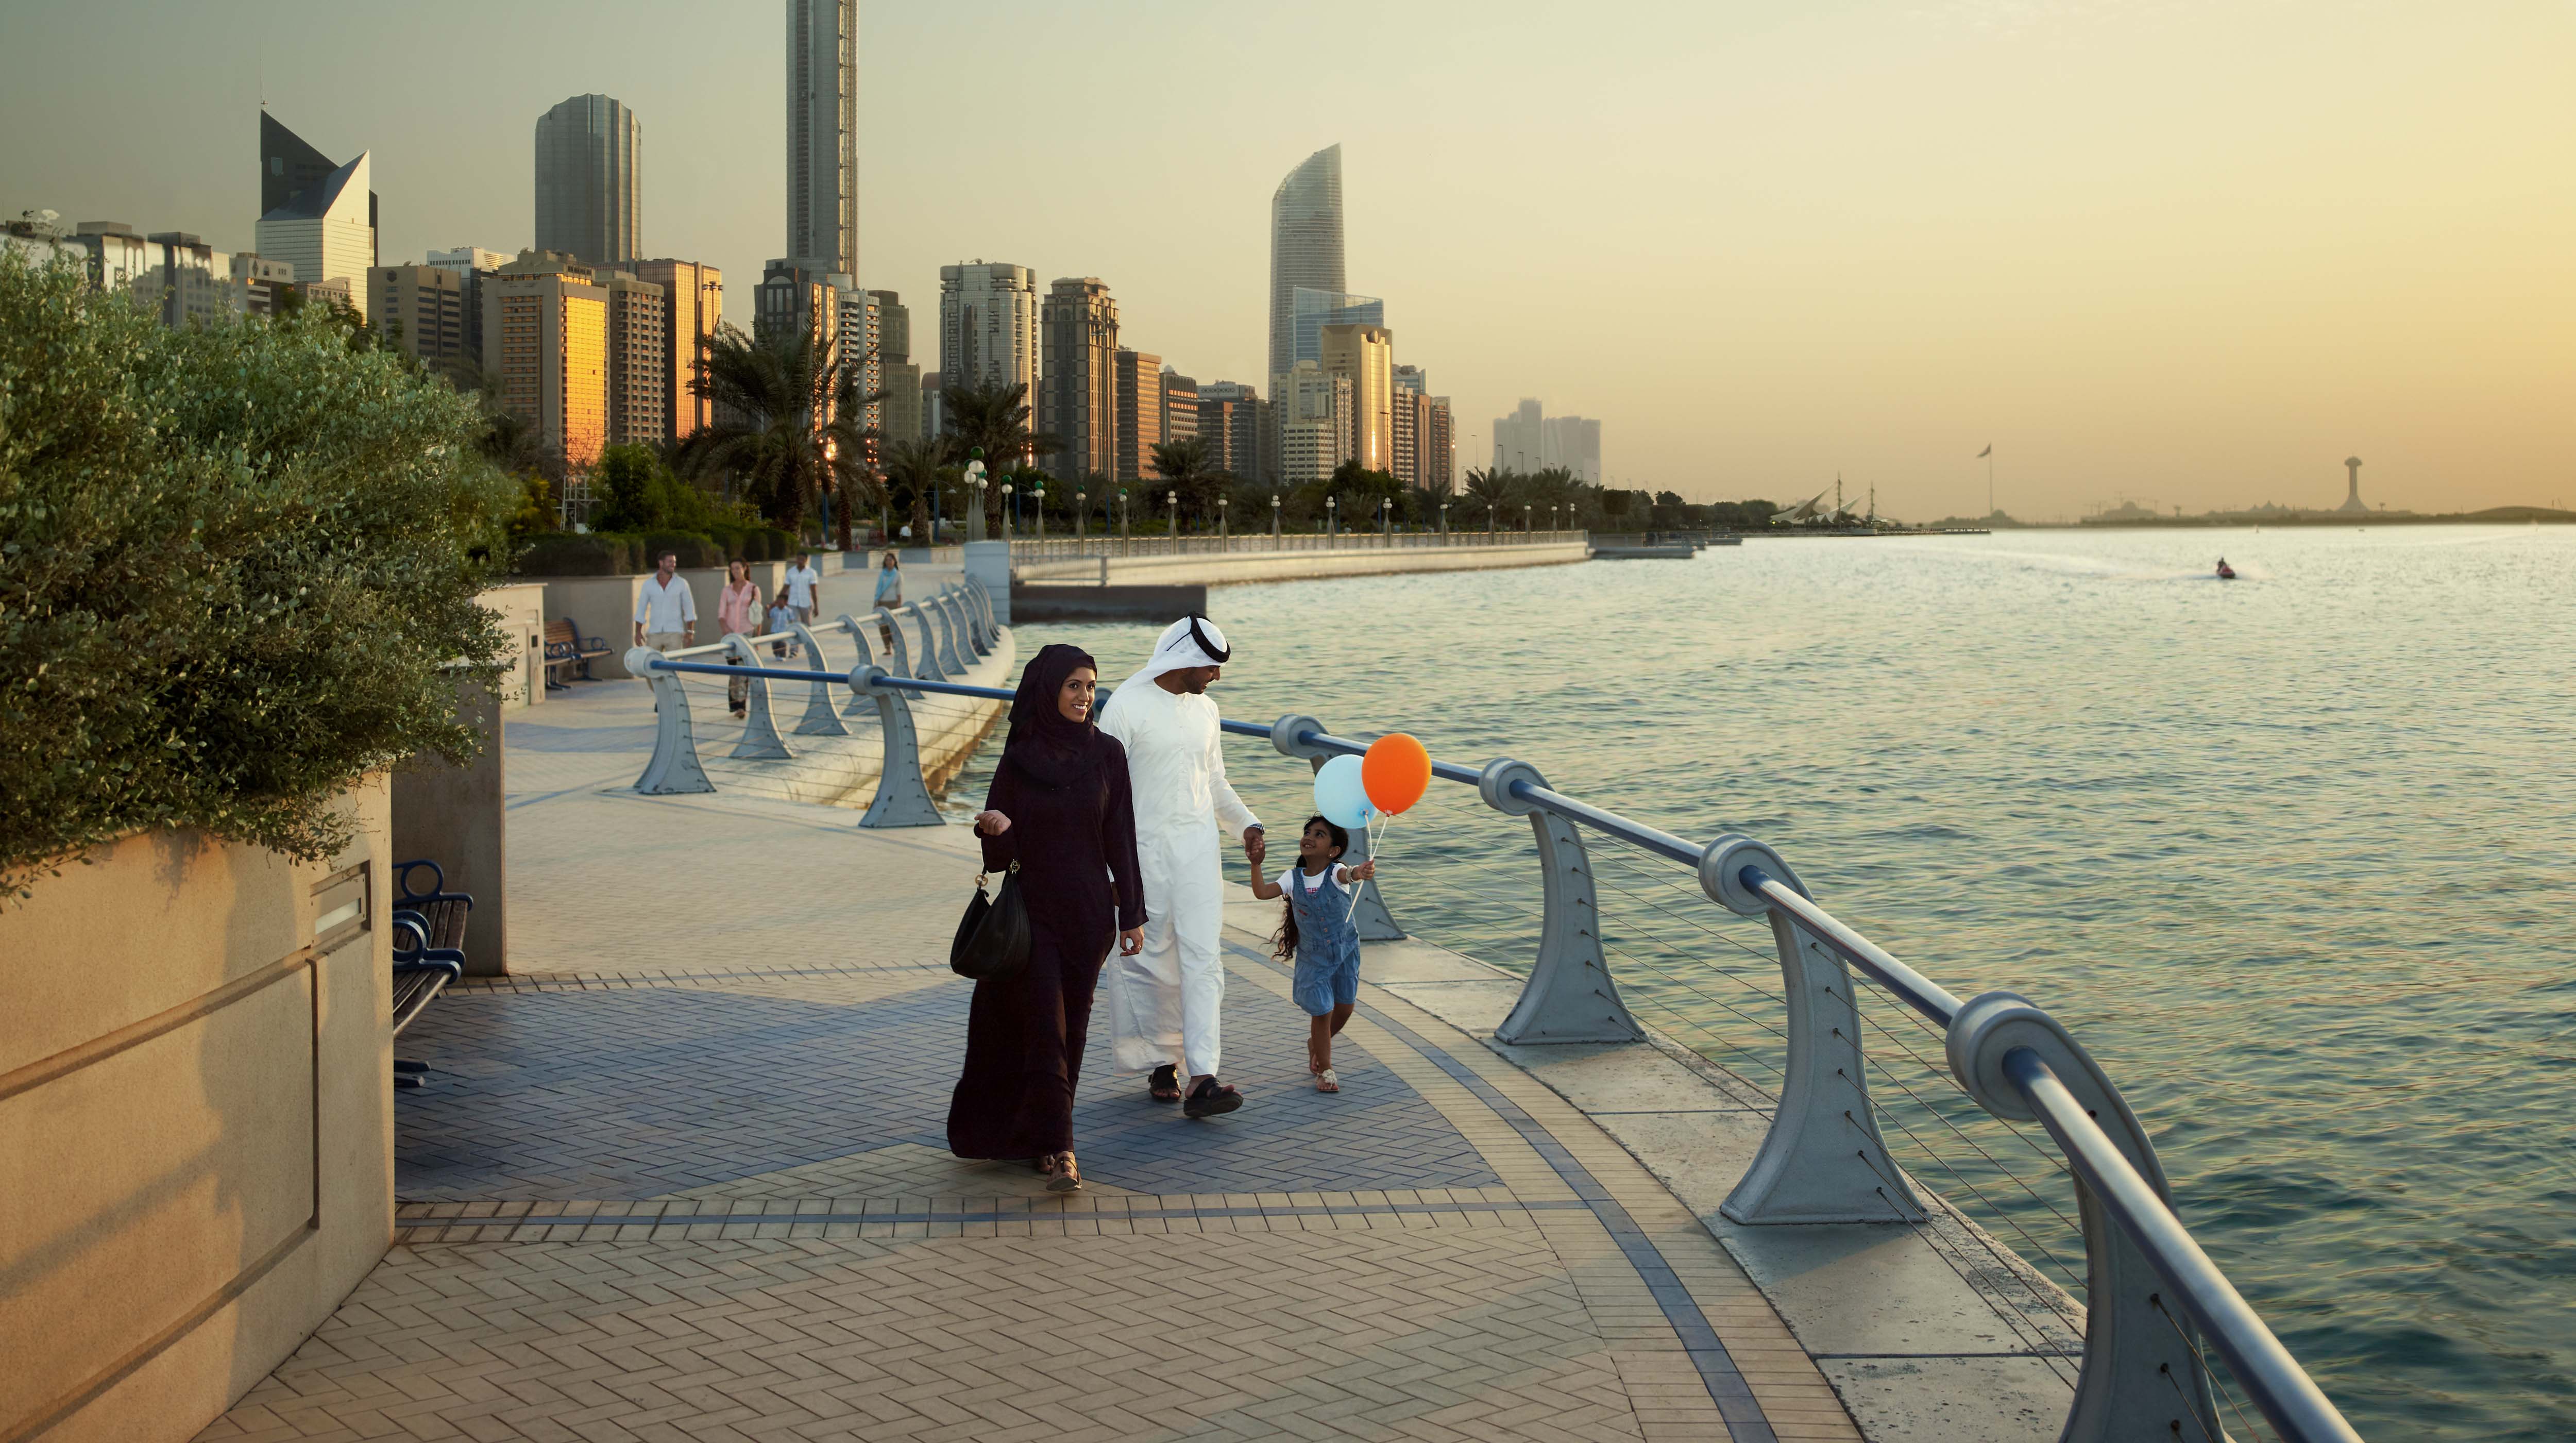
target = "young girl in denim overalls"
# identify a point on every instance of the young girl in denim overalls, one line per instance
(1317, 931)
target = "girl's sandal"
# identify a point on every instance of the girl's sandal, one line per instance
(1062, 1175)
(1325, 1081)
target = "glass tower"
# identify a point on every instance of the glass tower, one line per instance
(1305, 247)
(590, 181)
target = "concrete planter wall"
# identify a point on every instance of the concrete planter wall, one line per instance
(196, 1123)
(604, 606)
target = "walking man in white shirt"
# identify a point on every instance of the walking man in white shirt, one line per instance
(666, 615)
(802, 579)
(1163, 1001)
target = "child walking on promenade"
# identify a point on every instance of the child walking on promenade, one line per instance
(1317, 931)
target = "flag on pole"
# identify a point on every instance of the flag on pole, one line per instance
(1990, 450)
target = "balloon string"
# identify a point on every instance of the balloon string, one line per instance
(1375, 831)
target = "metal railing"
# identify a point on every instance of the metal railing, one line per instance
(2145, 1373)
(1068, 548)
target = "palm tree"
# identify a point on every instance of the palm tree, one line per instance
(994, 418)
(1184, 467)
(789, 426)
(913, 467)
(1490, 488)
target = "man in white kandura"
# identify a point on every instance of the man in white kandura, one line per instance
(1163, 1001)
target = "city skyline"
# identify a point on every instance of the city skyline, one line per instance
(2245, 245)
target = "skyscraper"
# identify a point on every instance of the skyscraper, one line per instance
(1574, 443)
(822, 136)
(1180, 406)
(693, 295)
(988, 325)
(1305, 245)
(422, 310)
(1313, 412)
(1078, 398)
(1233, 421)
(639, 383)
(1366, 354)
(288, 166)
(322, 231)
(1140, 414)
(590, 181)
(902, 372)
(545, 330)
(1311, 310)
(1516, 439)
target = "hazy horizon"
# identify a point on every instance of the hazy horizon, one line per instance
(2177, 252)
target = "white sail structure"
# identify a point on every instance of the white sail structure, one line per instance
(1807, 510)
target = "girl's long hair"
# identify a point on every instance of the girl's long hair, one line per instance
(1283, 943)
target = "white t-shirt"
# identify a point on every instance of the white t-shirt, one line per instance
(800, 585)
(1315, 883)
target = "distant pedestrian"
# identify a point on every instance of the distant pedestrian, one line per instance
(781, 617)
(666, 614)
(889, 595)
(1059, 811)
(802, 581)
(1316, 933)
(738, 614)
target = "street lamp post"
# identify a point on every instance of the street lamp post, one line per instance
(1224, 539)
(1274, 520)
(1039, 491)
(1332, 519)
(1444, 523)
(1174, 497)
(1010, 510)
(1079, 498)
(1386, 521)
(1122, 518)
(975, 495)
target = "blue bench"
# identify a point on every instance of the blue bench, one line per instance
(565, 647)
(429, 951)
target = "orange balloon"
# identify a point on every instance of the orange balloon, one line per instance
(1396, 771)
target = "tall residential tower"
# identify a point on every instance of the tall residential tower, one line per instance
(1305, 246)
(822, 136)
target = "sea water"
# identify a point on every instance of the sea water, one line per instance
(2293, 855)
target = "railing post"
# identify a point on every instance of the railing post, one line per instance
(883, 623)
(928, 668)
(2140, 1370)
(760, 740)
(952, 657)
(970, 605)
(673, 767)
(985, 622)
(1570, 996)
(819, 719)
(1368, 913)
(901, 800)
(1823, 1160)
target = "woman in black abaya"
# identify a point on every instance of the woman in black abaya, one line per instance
(1059, 807)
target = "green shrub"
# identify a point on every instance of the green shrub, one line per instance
(731, 540)
(567, 554)
(238, 566)
(695, 548)
(776, 545)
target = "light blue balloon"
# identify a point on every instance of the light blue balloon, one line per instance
(1341, 796)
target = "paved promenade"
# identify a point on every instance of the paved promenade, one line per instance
(684, 1177)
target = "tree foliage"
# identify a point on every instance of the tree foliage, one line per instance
(789, 426)
(238, 567)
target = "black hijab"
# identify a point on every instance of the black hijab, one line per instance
(1047, 750)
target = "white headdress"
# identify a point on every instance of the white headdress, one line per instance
(1188, 642)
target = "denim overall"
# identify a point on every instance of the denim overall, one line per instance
(1328, 945)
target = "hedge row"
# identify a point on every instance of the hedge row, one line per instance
(628, 553)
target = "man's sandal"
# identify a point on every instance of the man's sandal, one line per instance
(1211, 1099)
(1325, 1081)
(1165, 1084)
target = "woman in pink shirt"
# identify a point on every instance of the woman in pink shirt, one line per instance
(738, 614)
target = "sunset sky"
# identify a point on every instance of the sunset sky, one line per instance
(2179, 251)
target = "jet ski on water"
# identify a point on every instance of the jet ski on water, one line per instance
(2225, 571)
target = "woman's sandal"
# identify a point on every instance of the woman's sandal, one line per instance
(1062, 1174)
(1325, 1081)
(1165, 1084)
(1211, 1099)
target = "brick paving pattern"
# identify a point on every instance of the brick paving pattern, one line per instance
(684, 1178)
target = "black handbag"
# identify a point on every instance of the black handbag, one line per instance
(993, 937)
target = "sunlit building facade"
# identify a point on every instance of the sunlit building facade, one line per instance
(988, 325)
(322, 231)
(545, 332)
(693, 306)
(1366, 355)
(639, 378)
(1078, 395)
(1140, 414)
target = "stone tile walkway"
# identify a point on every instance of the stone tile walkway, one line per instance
(684, 1178)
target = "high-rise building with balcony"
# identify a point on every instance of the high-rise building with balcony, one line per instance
(693, 306)
(422, 310)
(322, 231)
(862, 358)
(1180, 406)
(1439, 465)
(988, 325)
(1411, 378)
(1305, 245)
(545, 332)
(1140, 414)
(1233, 421)
(261, 281)
(902, 373)
(590, 181)
(1366, 354)
(1078, 394)
(639, 358)
(470, 265)
(1314, 423)
(822, 136)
